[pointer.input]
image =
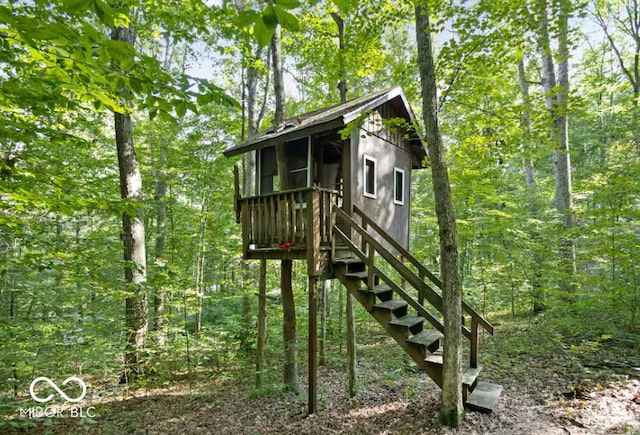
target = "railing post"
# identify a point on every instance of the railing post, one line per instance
(312, 230)
(370, 260)
(473, 363)
(246, 225)
(236, 192)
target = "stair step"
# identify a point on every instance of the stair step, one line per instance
(357, 275)
(384, 292)
(470, 375)
(409, 321)
(430, 338)
(348, 260)
(484, 396)
(392, 305)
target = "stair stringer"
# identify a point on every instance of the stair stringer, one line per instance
(399, 334)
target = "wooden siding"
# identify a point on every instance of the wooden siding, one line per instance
(390, 150)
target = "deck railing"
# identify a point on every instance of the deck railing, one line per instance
(282, 220)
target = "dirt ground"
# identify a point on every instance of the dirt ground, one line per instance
(547, 390)
(383, 406)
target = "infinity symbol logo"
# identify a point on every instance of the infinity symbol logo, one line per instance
(50, 382)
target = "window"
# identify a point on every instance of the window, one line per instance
(268, 170)
(370, 181)
(398, 186)
(297, 152)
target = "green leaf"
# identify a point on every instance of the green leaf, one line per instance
(343, 5)
(76, 6)
(269, 16)
(288, 4)
(263, 32)
(181, 108)
(287, 20)
(247, 18)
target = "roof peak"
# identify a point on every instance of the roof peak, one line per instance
(333, 116)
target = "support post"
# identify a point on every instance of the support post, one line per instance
(313, 322)
(324, 298)
(474, 343)
(262, 322)
(351, 346)
(313, 255)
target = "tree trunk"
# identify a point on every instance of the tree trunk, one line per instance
(278, 81)
(537, 292)
(556, 102)
(629, 24)
(286, 266)
(350, 319)
(289, 328)
(324, 297)
(161, 213)
(351, 348)
(132, 233)
(451, 412)
(262, 322)
(342, 83)
(254, 118)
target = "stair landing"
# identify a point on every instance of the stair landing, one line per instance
(484, 396)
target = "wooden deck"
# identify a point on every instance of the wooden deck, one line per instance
(289, 224)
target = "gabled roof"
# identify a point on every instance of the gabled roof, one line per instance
(333, 117)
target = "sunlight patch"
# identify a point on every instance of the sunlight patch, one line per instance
(370, 411)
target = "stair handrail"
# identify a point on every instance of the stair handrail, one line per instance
(431, 295)
(395, 287)
(421, 268)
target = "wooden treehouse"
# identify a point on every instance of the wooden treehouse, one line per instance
(346, 211)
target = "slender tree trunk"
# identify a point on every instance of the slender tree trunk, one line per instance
(254, 118)
(278, 81)
(324, 295)
(135, 264)
(289, 328)
(556, 92)
(286, 266)
(350, 318)
(160, 243)
(200, 262)
(262, 322)
(529, 168)
(451, 412)
(537, 291)
(342, 83)
(351, 347)
(630, 25)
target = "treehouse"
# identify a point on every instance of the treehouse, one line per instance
(355, 155)
(332, 187)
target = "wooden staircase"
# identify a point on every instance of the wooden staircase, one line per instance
(365, 274)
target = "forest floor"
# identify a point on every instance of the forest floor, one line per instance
(549, 388)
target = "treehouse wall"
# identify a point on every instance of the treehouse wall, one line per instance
(380, 182)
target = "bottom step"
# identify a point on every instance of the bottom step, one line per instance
(484, 396)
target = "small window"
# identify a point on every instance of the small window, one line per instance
(370, 179)
(398, 186)
(268, 170)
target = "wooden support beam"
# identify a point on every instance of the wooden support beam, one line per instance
(262, 322)
(313, 324)
(474, 343)
(351, 346)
